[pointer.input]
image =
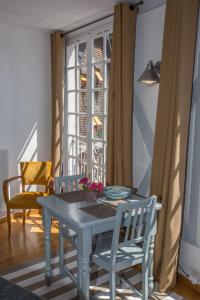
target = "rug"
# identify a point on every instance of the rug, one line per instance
(10, 290)
(31, 277)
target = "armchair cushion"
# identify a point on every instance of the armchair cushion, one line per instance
(35, 172)
(26, 200)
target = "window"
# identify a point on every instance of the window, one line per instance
(87, 75)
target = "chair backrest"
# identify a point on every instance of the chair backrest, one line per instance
(67, 183)
(137, 219)
(35, 172)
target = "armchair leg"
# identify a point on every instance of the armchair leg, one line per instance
(24, 216)
(9, 222)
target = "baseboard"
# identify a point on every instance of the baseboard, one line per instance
(182, 279)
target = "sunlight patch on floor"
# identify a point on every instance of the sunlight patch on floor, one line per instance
(34, 222)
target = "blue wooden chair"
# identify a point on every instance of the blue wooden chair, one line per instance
(65, 184)
(115, 252)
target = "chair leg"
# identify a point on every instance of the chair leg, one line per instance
(145, 279)
(118, 280)
(61, 248)
(24, 216)
(43, 218)
(112, 285)
(9, 222)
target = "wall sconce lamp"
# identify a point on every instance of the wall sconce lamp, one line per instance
(151, 76)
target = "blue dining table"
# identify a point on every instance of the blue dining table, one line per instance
(87, 218)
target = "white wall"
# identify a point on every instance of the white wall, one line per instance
(25, 94)
(149, 36)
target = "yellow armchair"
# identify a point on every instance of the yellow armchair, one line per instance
(32, 173)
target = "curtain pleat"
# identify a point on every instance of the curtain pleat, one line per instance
(171, 134)
(120, 100)
(58, 53)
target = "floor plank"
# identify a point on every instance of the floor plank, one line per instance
(27, 244)
(186, 291)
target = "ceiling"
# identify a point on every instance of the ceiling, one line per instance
(59, 14)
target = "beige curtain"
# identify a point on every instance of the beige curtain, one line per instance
(171, 136)
(120, 101)
(58, 50)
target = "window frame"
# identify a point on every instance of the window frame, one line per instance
(88, 36)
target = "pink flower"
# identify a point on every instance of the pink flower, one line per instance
(100, 186)
(87, 185)
(84, 180)
(92, 186)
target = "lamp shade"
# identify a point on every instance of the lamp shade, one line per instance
(149, 76)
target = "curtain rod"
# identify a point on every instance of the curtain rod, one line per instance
(132, 7)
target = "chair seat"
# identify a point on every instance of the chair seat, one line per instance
(126, 256)
(26, 200)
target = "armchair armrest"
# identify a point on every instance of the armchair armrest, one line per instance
(50, 185)
(6, 183)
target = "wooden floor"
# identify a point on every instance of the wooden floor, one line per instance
(27, 244)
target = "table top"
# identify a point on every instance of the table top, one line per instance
(88, 211)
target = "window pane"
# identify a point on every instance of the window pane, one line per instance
(71, 79)
(107, 74)
(70, 56)
(98, 49)
(71, 145)
(82, 167)
(82, 102)
(108, 45)
(82, 149)
(71, 103)
(98, 73)
(82, 156)
(72, 166)
(97, 153)
(82, 125)
(71, 124)
(82, 54)
(97, 127)
(98, 102)
(82, 78)
(98, 173)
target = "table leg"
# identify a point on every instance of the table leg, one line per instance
(84, 252)
(47, 232)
